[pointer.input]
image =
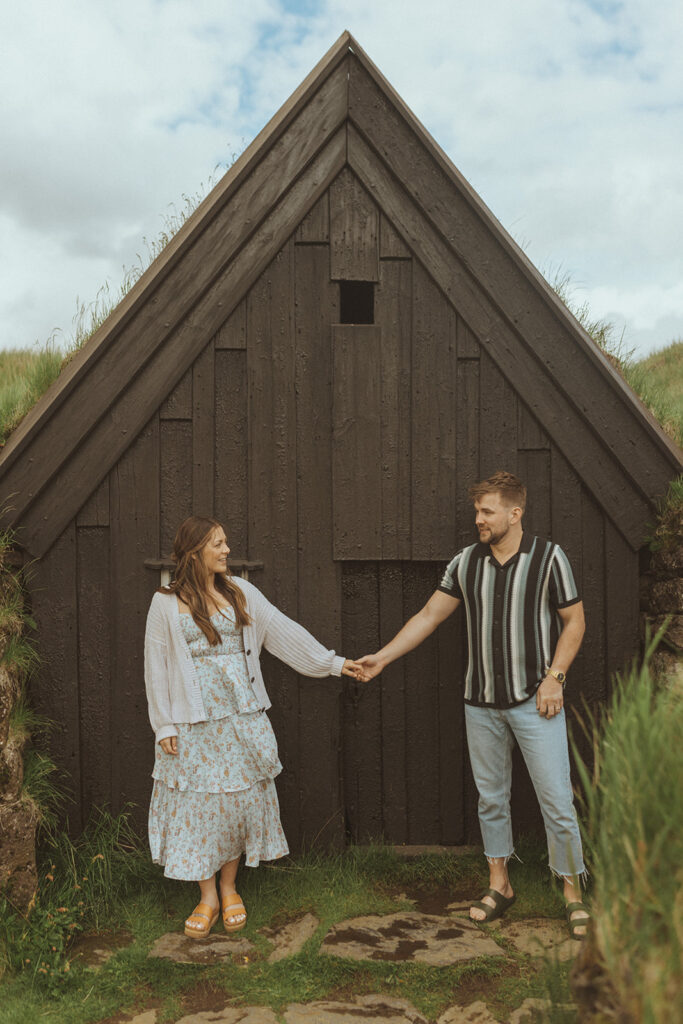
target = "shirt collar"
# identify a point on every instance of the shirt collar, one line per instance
(525, 546)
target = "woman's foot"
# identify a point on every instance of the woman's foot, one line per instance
(201, 920)
(234, 911)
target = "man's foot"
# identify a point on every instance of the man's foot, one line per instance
(493, 904)
(578, 918)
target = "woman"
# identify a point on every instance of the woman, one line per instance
(216, 756)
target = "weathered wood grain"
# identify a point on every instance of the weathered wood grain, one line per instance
(497, 263)
(273, 494)
(356, 442)
(319, 593)
(622, 611)
(111, 436)
(255, 183)
(362, 707)
(530, 434)
(533, 468)
(233, 333)
(178, 405)
(451, 732)
(134, 537)
(95, 512)
(354, 231)
(315, 227)
(95, 684)
(600, 469)
(203, 417)
(393, 316)
(433, 440)
(93, 446)
(422, 714)
(391, 684)
(497, 420)
(175, 476)
(391, 245)
(467, 434)
(592, 664)
(230, 453)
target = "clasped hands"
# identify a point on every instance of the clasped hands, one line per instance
(364, 669)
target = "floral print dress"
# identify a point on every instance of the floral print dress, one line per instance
(216, 799)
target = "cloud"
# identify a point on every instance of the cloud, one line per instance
(565, 117)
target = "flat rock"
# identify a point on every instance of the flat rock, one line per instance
(475, 1013)
(535, 1011)
(183, 950)
(360, 1010)
(537, 936)
(289, 939)
(409, 936)
(146, 1017)
(232, 1015)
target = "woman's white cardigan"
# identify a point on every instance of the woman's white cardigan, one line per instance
(173, 693)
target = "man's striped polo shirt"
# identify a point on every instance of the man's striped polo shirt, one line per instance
(512, 621)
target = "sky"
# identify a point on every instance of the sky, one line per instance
(566, 116)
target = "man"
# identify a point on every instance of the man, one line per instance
(525, 625)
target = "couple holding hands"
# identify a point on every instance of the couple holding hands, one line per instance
(214, 798)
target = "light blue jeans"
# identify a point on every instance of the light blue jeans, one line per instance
(491, 735)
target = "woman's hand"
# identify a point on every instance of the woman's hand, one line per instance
(353, 669)
(169, 745)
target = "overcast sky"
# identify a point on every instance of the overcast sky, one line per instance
(565, 115)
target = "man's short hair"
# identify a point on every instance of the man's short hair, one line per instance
(511, 489)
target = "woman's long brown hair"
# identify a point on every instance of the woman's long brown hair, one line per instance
(189, 580)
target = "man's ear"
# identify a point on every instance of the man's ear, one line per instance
(515, 514)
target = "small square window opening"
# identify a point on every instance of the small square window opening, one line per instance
(356, 302)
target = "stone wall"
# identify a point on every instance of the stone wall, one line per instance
(18, 815)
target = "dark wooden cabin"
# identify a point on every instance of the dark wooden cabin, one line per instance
(335, 345)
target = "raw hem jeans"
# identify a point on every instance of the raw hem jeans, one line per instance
(491, 733)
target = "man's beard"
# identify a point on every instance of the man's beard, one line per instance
(495, 538)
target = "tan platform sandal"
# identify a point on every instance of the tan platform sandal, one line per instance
(232, 905)
(202, 928)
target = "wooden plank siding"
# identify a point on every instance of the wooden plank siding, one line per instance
(337, 455)
(476, 238)
(92, 446)
(354, 231)
(272, 503)
(572, 433)
(54, 688)
(319, 577)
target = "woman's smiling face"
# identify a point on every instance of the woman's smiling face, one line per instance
(215, 552)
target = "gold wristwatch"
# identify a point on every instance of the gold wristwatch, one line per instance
(560, 676)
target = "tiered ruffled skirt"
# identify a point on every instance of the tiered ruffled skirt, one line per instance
(216, 799)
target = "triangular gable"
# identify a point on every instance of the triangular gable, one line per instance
(344, 114)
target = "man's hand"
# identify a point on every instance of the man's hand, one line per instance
(549, 697)
(368, 667)
(169, 745)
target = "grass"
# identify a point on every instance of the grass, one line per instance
(26, 374)
(104, 882)
(634, 812)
